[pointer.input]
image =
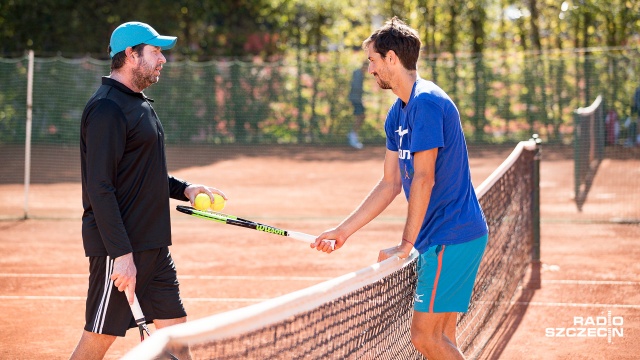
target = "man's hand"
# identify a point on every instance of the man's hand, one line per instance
(401, 250)
(194, 189)
(124, 275)
(322, 244)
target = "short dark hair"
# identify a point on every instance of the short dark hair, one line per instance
(397, 36)
(117, 61)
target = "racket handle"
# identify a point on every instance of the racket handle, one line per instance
(138, 315)
(310, 238)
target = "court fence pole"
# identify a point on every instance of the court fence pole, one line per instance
(27, 144)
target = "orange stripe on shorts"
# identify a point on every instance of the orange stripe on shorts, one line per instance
(435, 282)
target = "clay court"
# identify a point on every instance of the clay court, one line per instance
(590, 267)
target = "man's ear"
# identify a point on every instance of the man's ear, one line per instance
(392, 57)
(129, 52)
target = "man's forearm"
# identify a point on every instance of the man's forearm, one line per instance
(421, 187)
(373, 205)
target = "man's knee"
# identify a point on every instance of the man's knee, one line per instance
(431, 331)
(425, 336)
(92, 346)
(98, 339)
(162, 323)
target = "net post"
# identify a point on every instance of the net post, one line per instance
(576, 159)
(535, 280)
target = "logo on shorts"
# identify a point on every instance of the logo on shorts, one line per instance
(417, 298)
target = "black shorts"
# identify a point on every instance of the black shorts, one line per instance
(157, 288)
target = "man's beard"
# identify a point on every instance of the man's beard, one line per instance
(143, 75)
(383, 84)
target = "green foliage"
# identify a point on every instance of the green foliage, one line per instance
(279, 70)
(267, 28)
(13, 98)
(293, 101)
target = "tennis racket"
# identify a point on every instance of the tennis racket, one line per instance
(237, 221)
(138, 315)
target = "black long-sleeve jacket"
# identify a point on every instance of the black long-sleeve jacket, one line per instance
(125, 183)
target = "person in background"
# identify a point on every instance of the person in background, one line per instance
(632, 121)
(355, 96)
(126, 229)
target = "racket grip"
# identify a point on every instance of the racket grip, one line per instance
(138, 315)
(310, 238)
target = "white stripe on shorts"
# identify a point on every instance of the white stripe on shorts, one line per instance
(98, 322)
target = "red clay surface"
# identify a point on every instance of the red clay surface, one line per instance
(589, 265)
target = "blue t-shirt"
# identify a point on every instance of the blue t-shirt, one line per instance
(431, 120)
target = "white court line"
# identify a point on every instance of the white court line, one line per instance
(308, 278)
(83, 298)
(591, 282)
(181, 277)
(256, 300)
(250, 277)
(29, 297)
(557, 304)
(8, 275)
(302, 278)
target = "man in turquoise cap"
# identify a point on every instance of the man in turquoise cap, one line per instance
(126, 230)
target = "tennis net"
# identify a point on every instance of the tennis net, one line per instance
(367, 314)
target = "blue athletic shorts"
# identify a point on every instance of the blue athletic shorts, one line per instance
(446, 274)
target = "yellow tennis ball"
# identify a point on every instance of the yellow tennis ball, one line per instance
(202, 202)
(218, 203)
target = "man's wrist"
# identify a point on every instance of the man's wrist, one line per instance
(125, 256)
(407, 241)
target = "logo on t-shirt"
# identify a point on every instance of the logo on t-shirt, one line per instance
(407, 174)
(403, 154)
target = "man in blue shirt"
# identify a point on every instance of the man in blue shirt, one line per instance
(427, 158)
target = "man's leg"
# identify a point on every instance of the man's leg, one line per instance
(357, 123)
(430, 335)
(92, 346)
(450, 328)
(181, 353)
(161, 323)
(354, 134)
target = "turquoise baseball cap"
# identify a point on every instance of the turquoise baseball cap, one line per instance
(134, 33)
